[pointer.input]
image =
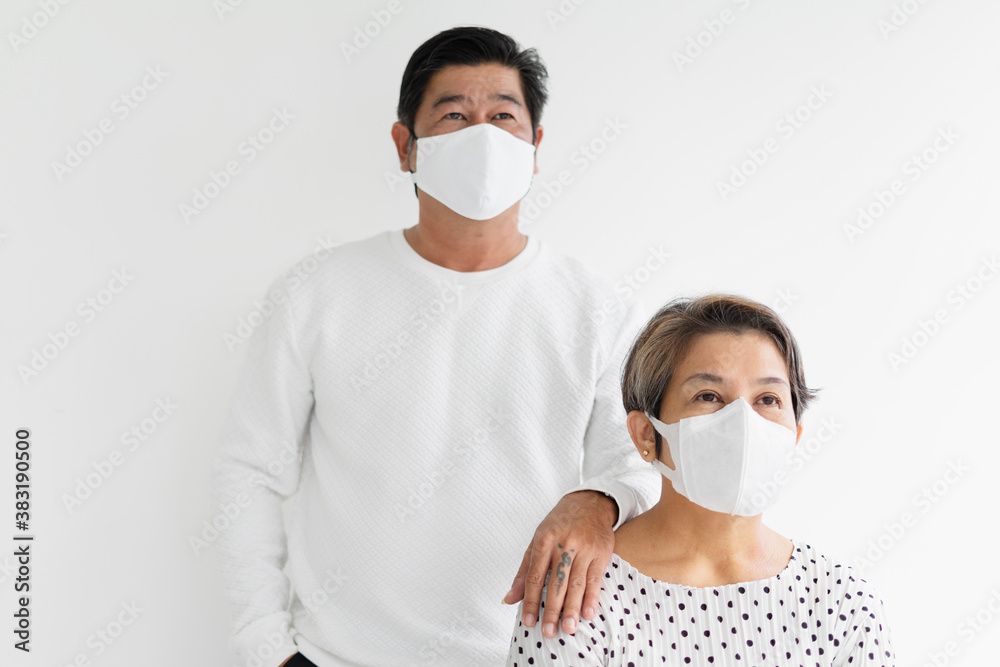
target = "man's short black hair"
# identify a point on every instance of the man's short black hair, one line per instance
(470, 45)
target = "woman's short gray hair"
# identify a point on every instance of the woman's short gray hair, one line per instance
(667, 337)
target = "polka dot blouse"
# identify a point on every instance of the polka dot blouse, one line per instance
(814, 612)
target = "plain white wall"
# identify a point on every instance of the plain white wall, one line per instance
(894, 77)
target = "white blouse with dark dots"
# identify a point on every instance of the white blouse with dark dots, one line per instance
(814, 612)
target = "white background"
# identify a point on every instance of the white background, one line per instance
(331, 175)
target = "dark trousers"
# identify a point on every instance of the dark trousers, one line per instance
(299, 660)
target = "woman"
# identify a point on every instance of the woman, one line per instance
(699, 579)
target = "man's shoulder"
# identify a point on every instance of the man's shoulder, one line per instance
(572, 268)
(573, 280)
(332, 262)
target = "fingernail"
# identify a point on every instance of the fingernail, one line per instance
(549, 629)
(529, 620)
(505, 596)
(589, 611)
(570, 624)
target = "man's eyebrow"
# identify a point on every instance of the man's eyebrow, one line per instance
(499, 97)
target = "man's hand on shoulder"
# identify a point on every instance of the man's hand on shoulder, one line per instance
(573, 545)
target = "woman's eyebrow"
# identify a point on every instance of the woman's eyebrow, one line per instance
(707, 377)
(715, 379)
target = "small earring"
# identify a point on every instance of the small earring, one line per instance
(645, 452)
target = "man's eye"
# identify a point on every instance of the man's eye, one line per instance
(454, 115)
(505, 114)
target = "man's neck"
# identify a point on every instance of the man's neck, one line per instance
(459, 244)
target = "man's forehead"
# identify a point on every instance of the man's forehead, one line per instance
(471, 83)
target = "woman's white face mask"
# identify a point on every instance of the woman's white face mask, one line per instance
(478, 172)
(727, 461)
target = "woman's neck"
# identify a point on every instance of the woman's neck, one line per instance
(681, 542)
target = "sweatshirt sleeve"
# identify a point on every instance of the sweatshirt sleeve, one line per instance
(256, 469)
(610, 463)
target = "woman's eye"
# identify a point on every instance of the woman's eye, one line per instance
(706, 397)
(770, 400)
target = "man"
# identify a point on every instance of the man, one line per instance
(428, 395)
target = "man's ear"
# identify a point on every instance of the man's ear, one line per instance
(402, 138)
(538, 140)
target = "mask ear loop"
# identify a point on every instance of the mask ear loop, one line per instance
(411, 171)
(673, 475)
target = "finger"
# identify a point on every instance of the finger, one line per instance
(562, 565)
(592, 598)
(516, 591)
(534, 581)
(574, 594)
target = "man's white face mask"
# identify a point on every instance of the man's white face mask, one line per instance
(478, 172)
(726, 461)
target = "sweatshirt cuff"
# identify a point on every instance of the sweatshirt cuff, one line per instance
(267, 642)
(623, 495)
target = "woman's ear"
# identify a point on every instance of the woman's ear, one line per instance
(643, 435)
(798, 432)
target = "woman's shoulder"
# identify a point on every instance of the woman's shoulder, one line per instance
(831, 575)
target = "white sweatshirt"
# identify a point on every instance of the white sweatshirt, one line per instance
(426, 420)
